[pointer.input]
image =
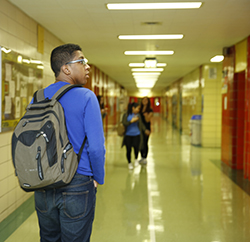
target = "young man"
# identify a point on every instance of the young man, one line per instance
(67, 213)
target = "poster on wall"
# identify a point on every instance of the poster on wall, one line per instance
(20, 76)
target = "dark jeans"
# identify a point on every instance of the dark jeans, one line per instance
(132, 141)
(66, 214)
(144, 151)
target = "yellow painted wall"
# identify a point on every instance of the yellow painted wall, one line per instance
(241, 56)
(191, 98)
(201, 94)
(19, 33)
(211, 116)
(171, 109)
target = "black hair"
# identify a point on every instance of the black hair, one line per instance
(148, 107)
(61, 55)
(130, 106)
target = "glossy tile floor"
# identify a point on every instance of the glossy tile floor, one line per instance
(180, 196)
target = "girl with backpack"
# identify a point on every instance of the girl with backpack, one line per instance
(135, 129)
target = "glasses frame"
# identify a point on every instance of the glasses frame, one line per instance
(84, 61)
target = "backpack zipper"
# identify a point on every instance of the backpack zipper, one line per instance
(39, 165)
(44, 135)
(64, 155)
(33, 121)
(39, 115)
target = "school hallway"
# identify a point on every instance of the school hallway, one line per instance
(184, 194)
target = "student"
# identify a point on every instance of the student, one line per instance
(67, 213)
(146, 115)
(102, 108)
(134, 132)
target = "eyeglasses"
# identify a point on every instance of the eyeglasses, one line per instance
(83, 61)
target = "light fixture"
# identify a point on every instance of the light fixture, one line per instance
(142, 64)
(161, 64)
(144, 85)
(141, 81)
(36, 62)
(168, 5)
(19, 59)
(145, 78)
(136, 64)
(217, 58)
(40, 67)
(154, 52)
(147, 69)
(26, 61)
(146, 74)
(150, 63)
(5, 50)
(144, 91)
(148, 37)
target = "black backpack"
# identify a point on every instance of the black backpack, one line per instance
(42, 155)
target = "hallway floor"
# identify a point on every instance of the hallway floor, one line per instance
(182, 195)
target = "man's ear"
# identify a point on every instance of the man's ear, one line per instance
(65, 70)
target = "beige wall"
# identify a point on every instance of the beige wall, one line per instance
(211, 119)
(202, 83)
(191, 98)
(19, 33)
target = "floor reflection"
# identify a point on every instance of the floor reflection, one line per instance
(184, 194)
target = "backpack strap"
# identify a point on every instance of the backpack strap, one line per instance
(63, 90)
(81, 149)
(38, 96)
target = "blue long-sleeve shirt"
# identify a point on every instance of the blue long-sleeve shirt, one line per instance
(133, 128)
(83, 117)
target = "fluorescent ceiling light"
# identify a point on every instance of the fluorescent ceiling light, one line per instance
(148, 37)
(136, 64)
(5, 50)
(19, 59)
(142, 64)
(32, 61)
(147, 74)
(140, 79)
(145, 78)
(36, 62)
(144, 91)
(168, 5)
(145, 85)
(154, 52)
(146, 82)
(161, 64)
(217, 58)
(147, 69)
(26, 61)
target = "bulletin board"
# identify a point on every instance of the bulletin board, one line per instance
(20, 76)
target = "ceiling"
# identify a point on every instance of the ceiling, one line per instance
(217, 24)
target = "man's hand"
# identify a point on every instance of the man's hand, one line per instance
(95, 183)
